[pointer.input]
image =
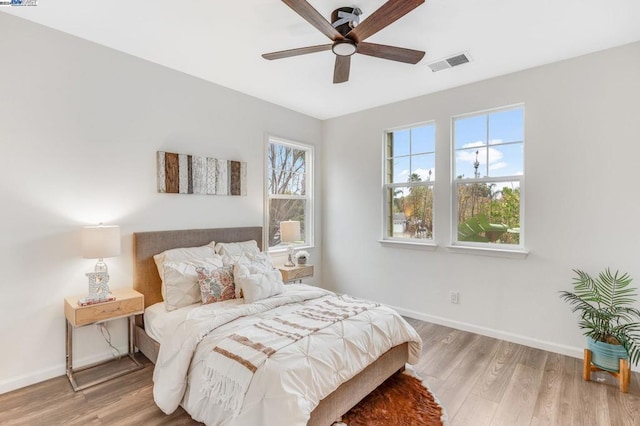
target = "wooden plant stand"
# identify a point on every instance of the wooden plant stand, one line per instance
(623, 375)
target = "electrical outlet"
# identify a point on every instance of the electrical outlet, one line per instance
(453, 297)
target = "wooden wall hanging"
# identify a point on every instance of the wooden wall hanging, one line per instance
(191, 174)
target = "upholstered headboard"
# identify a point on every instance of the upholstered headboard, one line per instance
(147, 244)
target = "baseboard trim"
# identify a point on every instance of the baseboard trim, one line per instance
(56, 371)
(571, 351)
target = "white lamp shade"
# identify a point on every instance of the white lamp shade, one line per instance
(290, 231)
(100, 241)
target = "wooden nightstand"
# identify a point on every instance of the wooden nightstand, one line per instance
(128, 303)
(295, 273)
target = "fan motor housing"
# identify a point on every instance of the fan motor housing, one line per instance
(345, 28)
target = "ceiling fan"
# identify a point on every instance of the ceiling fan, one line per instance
(348, 34)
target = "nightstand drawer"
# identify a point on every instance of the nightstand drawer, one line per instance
(128, 302)
(295, 273)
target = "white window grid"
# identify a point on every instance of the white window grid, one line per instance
(487, 179)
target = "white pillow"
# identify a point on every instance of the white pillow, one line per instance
(237, 249)
(180, 254)
(260, 261)
(181, 281)
(255, 283)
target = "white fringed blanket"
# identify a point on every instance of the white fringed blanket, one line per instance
(291, 382)
(234, 360)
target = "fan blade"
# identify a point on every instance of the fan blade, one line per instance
(341, 70)
(392, 53)
(312, 16)
(296, 52)
(386, 14)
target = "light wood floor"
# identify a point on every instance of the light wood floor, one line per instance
(479, 380)
(484, 381)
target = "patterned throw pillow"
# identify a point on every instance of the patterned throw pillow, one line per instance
(216, 284)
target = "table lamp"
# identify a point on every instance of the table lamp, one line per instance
(99, 242)
(290, 232)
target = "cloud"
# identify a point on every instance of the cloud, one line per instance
(465, 159)
(403, 176)
(470, 156)
(498, 166)
(513, 185)
(473, 144)
(424, 174)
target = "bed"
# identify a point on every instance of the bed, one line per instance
(147, 282)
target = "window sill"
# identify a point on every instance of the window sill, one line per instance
(409, 245)
(285, 250)
(485, 251)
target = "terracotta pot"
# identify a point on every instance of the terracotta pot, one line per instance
(605, 355)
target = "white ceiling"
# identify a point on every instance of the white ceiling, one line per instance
(221, 41)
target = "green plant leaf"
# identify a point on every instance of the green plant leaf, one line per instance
(605, 307)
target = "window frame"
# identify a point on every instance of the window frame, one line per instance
(476, 247)
(386, 214)
(309, 194)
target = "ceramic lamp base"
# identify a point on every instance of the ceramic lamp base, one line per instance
(290, 263)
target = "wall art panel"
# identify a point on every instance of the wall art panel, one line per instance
(190, 174)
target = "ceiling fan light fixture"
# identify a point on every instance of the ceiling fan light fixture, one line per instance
(344, 47)
(348, 34)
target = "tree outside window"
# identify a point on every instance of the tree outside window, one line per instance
(488, 177)
(289, 189)
(409, 180)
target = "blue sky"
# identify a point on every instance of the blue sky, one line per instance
(471, 135)
(420, 142)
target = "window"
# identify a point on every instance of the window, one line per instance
(488, 178)
(408, 186)
(289, 190)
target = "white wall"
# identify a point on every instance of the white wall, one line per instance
(582, 155)
(80, 125)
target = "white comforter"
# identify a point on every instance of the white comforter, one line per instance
(289, 385)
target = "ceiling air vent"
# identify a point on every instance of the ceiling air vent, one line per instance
(450, 62)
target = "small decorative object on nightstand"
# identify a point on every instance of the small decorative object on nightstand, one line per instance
(295, 273)
(127, 304)
(98, 289)
(302, 256)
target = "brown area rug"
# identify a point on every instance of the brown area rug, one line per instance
(401, 400)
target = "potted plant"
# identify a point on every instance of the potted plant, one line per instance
(608, 318)
(302, 257)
